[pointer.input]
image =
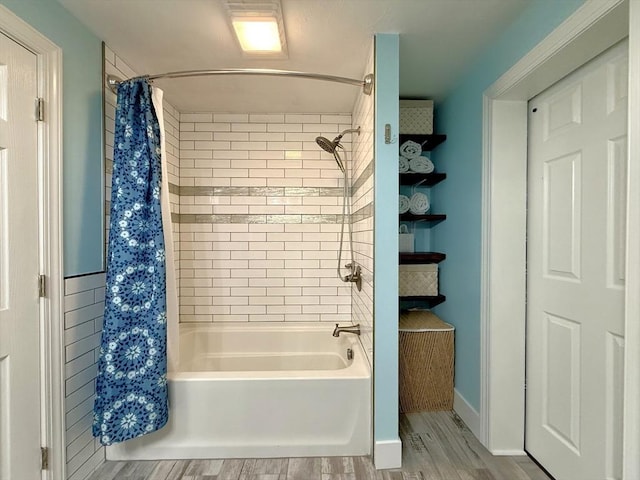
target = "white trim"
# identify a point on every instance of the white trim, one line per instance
(387, 454)
(502, 341)
(557, 45)
(595, 26)
(509, 453)
(49, 57)
(466, 412)
(631, 429)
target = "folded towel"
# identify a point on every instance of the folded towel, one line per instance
(410, 149)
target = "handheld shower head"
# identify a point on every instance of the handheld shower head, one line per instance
(326, 144)
(331, 146)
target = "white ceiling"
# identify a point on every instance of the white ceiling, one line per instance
(438, 41)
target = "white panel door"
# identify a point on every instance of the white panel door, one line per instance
(575, 271)
(19, 310)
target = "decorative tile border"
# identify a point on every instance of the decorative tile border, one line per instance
(204, 191)
(362, 179)
(173, 188)
(247, 219)
(362, 214)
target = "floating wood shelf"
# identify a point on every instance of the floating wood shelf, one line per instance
(430, 301)
(433, 218)
(406, 258)
(428, 142)
(424, 179)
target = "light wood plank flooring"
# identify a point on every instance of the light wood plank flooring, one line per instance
(436, 446)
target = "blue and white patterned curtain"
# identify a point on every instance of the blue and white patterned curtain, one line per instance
(131, 389)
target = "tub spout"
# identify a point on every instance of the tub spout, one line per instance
(355, 329)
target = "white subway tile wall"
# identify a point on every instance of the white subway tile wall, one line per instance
(84, 308)
(362, 195)
(260, 212)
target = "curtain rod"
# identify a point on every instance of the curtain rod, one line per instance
(366, 83)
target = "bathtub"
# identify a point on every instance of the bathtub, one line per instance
(247, 390)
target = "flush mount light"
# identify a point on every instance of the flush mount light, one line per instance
(257, 34)
(259, 27)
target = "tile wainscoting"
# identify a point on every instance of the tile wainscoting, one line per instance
(84, 309)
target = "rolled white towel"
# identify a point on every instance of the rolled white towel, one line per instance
(421, 165)
(410, 149)
(419, 204)
(404, 204)
(403, 164)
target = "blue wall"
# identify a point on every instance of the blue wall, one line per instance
(460, 196)
(385, 243)
(82, 124)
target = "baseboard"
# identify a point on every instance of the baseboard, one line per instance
(508, 453)
(471, 418)
(387, 454)
(467, 413)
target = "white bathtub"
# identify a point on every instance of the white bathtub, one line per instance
(262, 390)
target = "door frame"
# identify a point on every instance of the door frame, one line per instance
(591, 29)
(49, 85)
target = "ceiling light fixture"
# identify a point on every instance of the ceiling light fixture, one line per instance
(259, 27)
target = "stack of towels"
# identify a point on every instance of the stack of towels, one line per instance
(411, 159)
(418, 204)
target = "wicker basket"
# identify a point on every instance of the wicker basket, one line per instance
(426, 363)
(416, 116)
(418, 280)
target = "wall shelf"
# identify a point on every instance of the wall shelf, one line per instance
(429, 301)
(423, 179)
(414, 179)
(431, 218)
(428, 142)
(416, 258)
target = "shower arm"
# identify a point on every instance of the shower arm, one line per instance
(366, 83)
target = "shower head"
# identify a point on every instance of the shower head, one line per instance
(331, 146)
(326, 144)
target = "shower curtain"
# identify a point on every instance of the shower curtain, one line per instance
(131, 390)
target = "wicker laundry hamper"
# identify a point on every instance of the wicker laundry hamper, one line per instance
(426, 362)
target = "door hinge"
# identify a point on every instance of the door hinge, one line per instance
(44, 458)
(42, 286)
(40, 109)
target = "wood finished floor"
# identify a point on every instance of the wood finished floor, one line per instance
(436, 446)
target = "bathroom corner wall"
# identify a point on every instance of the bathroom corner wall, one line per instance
(362, 214)
(387, 444)
(260, 212)
(84, 308)
(460, 116)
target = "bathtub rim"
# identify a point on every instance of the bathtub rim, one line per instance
(359, 369)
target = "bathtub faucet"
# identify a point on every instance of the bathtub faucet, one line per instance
(352, 329)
